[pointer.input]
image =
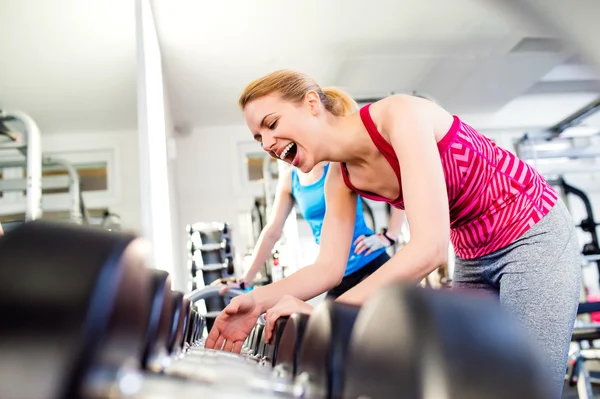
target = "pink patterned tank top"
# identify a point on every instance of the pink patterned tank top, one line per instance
(494, 196)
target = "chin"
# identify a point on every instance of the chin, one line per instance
(306, 167)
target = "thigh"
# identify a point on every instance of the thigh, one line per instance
(540, 277)
(469, 274)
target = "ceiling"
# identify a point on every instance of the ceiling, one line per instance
(465, 54)
(71, 64)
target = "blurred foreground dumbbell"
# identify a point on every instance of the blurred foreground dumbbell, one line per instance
(73, 310)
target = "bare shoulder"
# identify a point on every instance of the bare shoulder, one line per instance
(392, 112)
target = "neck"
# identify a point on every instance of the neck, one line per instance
(345, 139)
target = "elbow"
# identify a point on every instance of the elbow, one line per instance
(435, 252)
(332, 274)
(272, 232)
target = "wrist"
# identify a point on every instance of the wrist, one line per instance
(390, 237)
(258, 300)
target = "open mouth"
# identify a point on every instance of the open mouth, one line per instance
(289, 152)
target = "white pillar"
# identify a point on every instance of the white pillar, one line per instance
(154, 165)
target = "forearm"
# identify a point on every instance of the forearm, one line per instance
(266, 241)
(397, 218)
(408, 265)
(303, 285)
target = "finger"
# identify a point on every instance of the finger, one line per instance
(224, 289)
(228, 347)
(211, 339)
(360, 248)
(219, 343)
(270, 325)
(368, 252)
(237, 346)
(359, 239)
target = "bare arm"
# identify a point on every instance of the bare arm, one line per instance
(397, 218)
(336, 238)
(410, 126)
(271, 233)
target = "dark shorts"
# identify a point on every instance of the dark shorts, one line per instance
(353, 279)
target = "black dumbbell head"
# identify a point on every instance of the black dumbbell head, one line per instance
(324, 348)
(72, 301)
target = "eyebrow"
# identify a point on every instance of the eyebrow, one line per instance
(262, 123)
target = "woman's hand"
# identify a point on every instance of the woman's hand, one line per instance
(234, 324)
(371, 243)
(229, 283)
(285, 307)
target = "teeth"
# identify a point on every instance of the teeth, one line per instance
(286, 150)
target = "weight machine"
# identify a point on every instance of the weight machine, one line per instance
(27, 153)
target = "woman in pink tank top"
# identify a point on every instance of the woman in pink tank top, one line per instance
(512, 235)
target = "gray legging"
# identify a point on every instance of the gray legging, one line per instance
(537, 277)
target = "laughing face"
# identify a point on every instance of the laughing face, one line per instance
(287, 131)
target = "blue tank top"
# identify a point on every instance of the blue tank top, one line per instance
(311, 201)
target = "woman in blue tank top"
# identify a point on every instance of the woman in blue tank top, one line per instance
(367, 253)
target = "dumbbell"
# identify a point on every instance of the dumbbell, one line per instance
(272, 349)
(324, 349)
(70, 324)
(410, 342)
(159, 322)
(288, 352)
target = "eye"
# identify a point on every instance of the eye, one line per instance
(273, 124)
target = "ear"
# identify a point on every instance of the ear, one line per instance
(313, 101)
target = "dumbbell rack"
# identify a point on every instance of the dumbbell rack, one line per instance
(210, 252)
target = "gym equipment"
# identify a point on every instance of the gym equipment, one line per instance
(324, 347)
(176, 331)
(290, 343)
(101, 308)
(411, 342)
(210, 250)
(32, 149)
(159, 323)
(70, 323)
(273, 348)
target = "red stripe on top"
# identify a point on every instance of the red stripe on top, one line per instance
(494, 197)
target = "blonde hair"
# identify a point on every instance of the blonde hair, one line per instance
(293, 86)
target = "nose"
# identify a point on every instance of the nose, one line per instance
(268, 142)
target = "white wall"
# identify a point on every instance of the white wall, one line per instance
(208, 179)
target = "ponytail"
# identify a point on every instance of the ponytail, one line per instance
(338, 102)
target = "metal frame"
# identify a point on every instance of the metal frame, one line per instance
(77, 210)
(33, 154)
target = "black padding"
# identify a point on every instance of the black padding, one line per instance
(290, 344)
(159, 325)
(178, 317)
(186, 321)
(325, 347)
(273, 347)
(410, 343)
(588, 307)
(67, 308)
(586, 333)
